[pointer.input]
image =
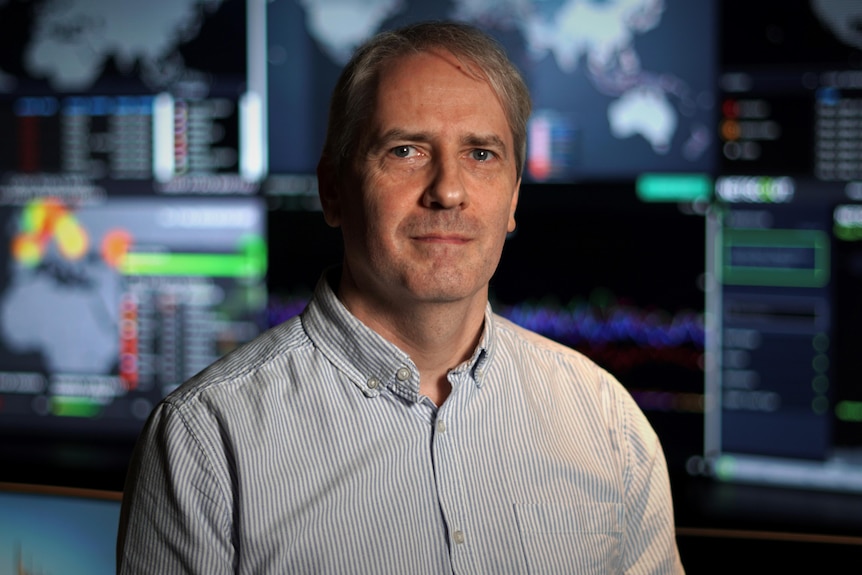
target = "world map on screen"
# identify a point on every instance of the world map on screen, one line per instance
(70, 44)
(619, 86)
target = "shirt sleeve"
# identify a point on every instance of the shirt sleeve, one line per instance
(650, 534)
(175, 516)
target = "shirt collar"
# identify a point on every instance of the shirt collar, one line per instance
(365, 357)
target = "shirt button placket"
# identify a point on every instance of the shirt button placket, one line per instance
(449, 489)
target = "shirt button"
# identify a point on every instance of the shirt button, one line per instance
(441, 426)
(458, 537)
(372, 382)
(403, 374)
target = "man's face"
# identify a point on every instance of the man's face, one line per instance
(435, 194)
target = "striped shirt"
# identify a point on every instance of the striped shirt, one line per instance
(311, 450)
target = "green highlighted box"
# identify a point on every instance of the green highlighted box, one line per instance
(75, 407)
(817, 275)
(849, 411)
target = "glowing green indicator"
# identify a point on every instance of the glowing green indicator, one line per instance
(75, 407)
(250, 262)
(725, 467)
(673, 187)
(849, 411)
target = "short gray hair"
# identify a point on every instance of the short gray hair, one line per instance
(354, 95)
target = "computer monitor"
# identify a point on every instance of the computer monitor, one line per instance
(149, 92)
(52, 529)
(786, 259)
(783, 244)
(619, 89)
(107, 306)
(133, 243)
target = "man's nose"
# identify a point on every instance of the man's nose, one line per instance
(446, 189)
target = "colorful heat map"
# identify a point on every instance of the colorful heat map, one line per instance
(48, 222)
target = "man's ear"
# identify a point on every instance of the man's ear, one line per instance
(513, 206)
(327, 190)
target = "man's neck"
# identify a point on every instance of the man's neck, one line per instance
(436, 336)
(450, 340)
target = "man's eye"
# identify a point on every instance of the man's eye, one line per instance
(482, 155)
(403, 151)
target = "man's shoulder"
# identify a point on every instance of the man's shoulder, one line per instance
(514, 337)
(250, 362)
(554, 362)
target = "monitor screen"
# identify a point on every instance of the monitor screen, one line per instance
(619, 88)
(790, 89)
(106, 306)
(783, 247)
(786, 409)
(147, 92)
(47, 529)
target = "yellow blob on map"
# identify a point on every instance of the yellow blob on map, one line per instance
(71, 238)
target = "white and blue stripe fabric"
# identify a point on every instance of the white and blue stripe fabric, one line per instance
(310, 450)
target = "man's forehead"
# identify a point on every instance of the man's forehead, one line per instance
(440, 55)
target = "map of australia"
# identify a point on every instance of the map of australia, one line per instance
(63, 289)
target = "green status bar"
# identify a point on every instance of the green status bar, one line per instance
(674, 187)
(250, 262)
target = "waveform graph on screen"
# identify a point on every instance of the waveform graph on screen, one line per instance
(634, 344)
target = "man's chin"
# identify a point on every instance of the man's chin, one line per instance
(442, 288)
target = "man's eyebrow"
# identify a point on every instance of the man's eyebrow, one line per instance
(485, 141)
(397, 134)
(474, 140)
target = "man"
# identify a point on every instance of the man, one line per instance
(398, 425)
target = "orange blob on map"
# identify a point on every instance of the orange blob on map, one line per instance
(44, 221)
(27, 250)
(115, 246)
